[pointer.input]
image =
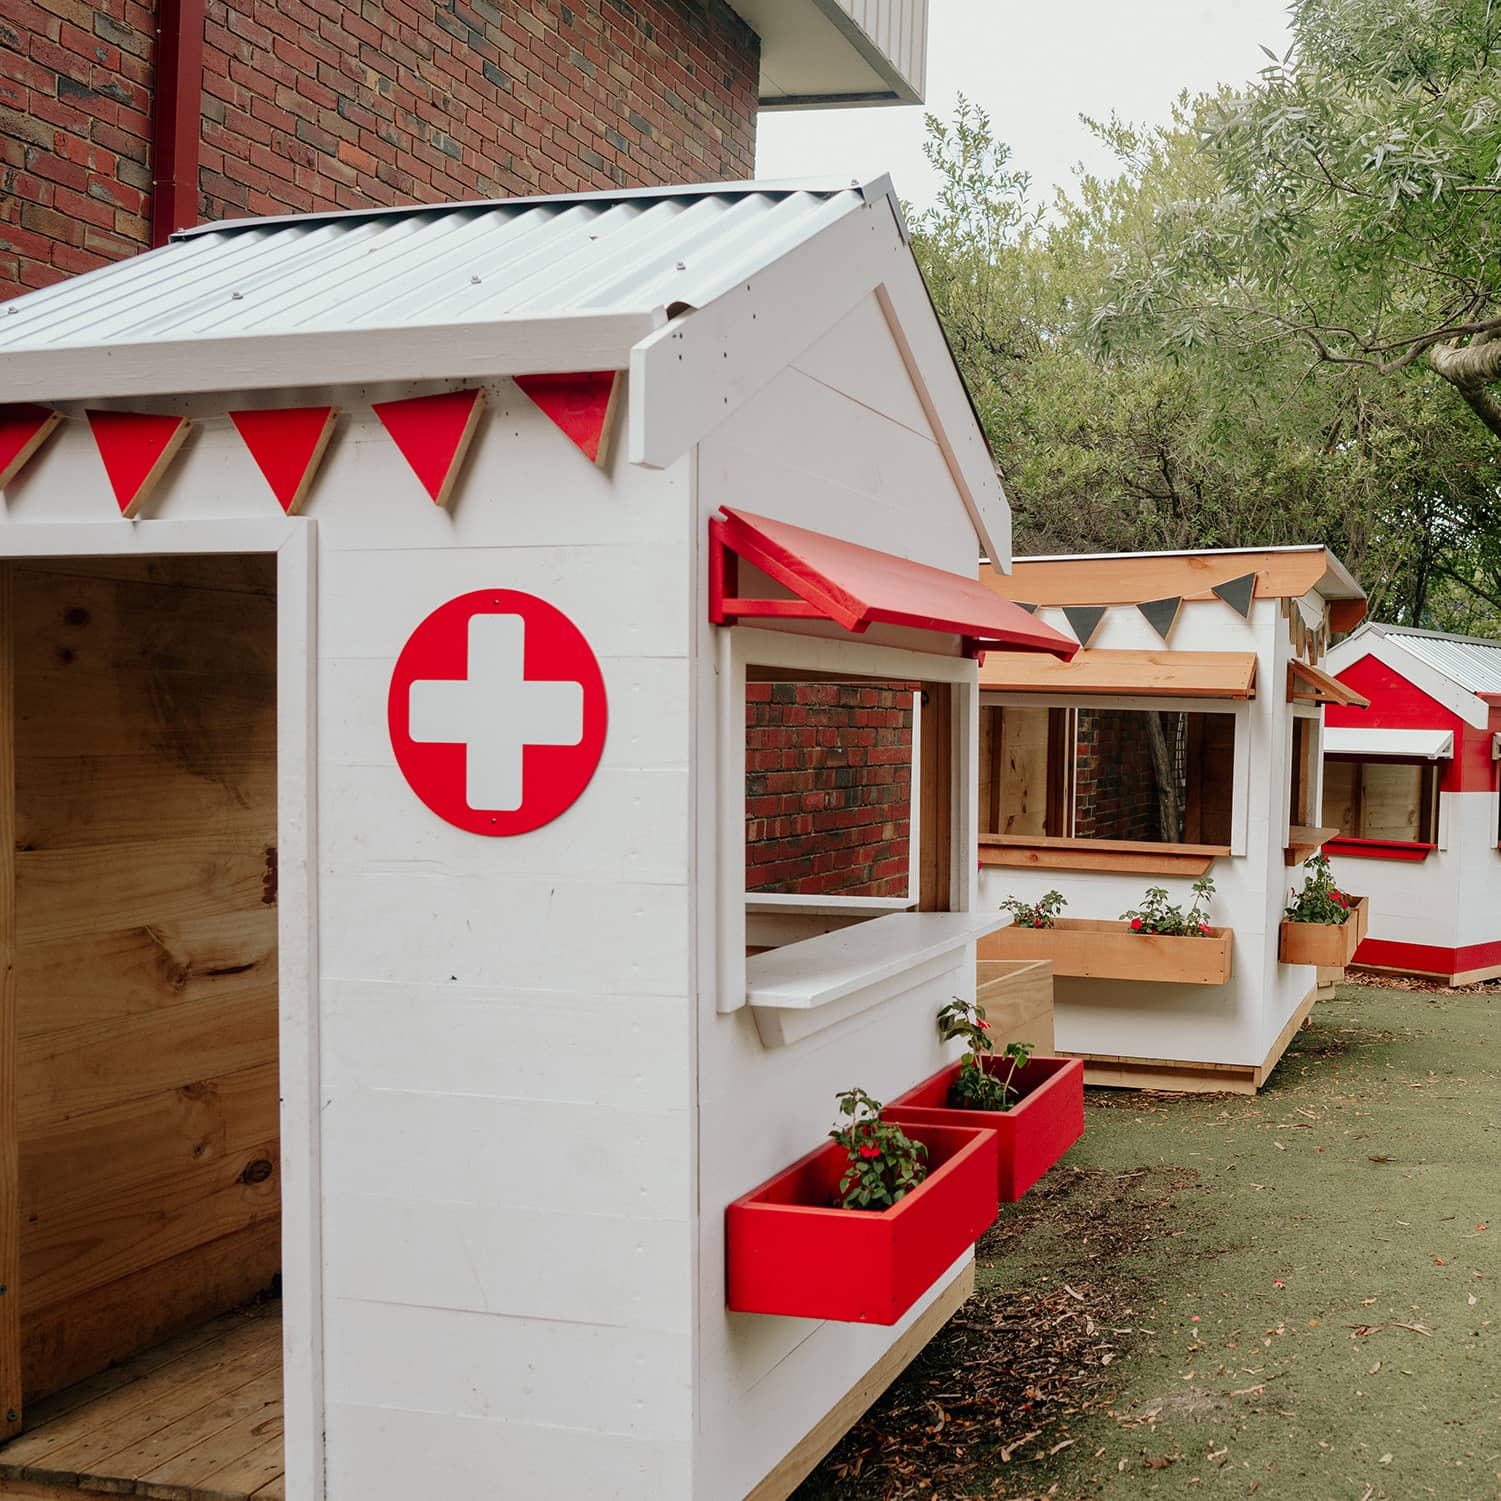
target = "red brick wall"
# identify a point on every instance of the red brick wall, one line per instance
(1115, 785)
(333, 104)
(75, 122)
(828, 788)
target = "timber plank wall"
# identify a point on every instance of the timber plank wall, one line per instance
(145, 950)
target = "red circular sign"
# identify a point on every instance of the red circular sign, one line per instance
(497, 712)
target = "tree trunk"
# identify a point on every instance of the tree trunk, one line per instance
(1169, 808)
(1472, 369)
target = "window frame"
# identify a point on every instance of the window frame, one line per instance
(1238, 709)
(945, 878)
(1430, 769)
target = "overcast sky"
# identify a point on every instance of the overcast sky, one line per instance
(1035, 65)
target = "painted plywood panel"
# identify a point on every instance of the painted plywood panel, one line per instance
(469, 1040)
(399, 1450)
(859, 358)
(444, 1149)
(545, 1373)
(823, 460)
(583, 1267)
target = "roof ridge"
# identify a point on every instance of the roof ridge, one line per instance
(1383, 629)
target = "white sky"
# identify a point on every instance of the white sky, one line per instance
(1035, 65)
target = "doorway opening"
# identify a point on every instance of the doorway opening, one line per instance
(140, 1227)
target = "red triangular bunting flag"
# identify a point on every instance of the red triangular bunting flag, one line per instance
(23, 430)
(287, 443)
(581, 404)
(136, 448)
(433, 432)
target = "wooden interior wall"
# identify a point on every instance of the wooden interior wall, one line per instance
(1022, 806)
(145, 950)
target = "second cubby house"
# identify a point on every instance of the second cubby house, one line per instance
(1181, 741)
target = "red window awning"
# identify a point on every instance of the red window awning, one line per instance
(857, 587)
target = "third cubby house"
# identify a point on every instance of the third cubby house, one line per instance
(1181, 741)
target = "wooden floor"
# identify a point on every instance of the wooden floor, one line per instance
(196, 1419)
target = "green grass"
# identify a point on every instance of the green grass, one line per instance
(1264, 1255)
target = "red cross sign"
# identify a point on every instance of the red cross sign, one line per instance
(497, 712)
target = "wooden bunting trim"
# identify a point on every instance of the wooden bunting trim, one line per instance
(287, 444)
(1161, 614)
(580, 404)
(1084, 620)
(136, 448)
(433, 434)
(1238, 593)
(23, 430)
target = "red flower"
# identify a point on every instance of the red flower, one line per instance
(1204, 928)
(982, 1024)
(869, 1149)
(1036, 922)
(1136, 924)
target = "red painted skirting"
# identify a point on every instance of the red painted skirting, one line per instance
(1378, 849)
(1428, 958)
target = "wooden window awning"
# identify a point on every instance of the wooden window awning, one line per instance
(1400, 745)
(1133, 674)
(857, 587)
(1311, 685)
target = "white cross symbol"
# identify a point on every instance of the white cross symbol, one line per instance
(496, 712)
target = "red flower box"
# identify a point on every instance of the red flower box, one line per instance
(1033, 1134)
(788, 1251)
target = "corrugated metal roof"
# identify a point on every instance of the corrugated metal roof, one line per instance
(455, 264)
(1469, 662)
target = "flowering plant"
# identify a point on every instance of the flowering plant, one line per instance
(1157, 915)
(974, 1088)
(1320, 900)
(1038, 914)
(885, 1164)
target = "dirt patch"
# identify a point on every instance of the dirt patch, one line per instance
(1014, 1372)
(1369, 980)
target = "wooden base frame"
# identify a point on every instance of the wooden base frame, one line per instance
(848, 1410)
(1465, 977)
(1183, 1077)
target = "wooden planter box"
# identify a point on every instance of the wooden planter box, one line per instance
(1017, 995)
(788, 1251)
(1032, 1135)
(1093, 950)
(1331, 945)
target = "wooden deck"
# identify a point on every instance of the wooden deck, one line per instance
(196, 1419)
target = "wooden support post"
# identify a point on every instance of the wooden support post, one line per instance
(10, 1147)
(936, 790)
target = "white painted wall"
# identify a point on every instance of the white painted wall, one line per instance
(1232, 1023)
(838, 443)
(506, 1066)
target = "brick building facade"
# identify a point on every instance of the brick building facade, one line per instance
(310, 105)
(828, 788)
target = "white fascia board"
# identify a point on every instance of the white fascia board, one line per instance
(1372, 744)
(702, 367)
(1474, 711)
(247, 362)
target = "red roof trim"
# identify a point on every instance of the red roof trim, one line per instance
(857, 587)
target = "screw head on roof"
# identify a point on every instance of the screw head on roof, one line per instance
(236, 296)
(682, 265)
(474, 281)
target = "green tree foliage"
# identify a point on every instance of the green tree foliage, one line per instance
(1130, 430)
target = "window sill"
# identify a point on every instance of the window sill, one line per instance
(1378, 849)
(1303, 842)
(1037, 853)
(806, 987)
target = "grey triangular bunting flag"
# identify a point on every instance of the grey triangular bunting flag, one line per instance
(1237, 593)
(1161, 613)
(1084, 620)
(1021, 604)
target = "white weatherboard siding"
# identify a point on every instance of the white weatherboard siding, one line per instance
(506, 1131)
(1232, 1023)
(837, 444)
